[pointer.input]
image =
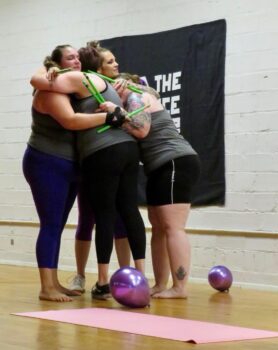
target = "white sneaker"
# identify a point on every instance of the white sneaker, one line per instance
(78, 283)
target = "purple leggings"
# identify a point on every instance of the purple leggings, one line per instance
(54, 183)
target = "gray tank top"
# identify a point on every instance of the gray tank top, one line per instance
(163, 142)
(50, 137)
(89, 141)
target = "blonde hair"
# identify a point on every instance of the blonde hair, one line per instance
(135, 78)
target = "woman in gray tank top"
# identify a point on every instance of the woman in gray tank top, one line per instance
(172, 167)
(106, 65)
(51, 169)
(110, 164)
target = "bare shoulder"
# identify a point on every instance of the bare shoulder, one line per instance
(95, 79)
(72, 76)
(45, 101)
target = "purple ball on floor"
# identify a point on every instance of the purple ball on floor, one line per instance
(130, 287)
(220, 278)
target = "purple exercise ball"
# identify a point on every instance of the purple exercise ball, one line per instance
(130, 287)
(220, 278)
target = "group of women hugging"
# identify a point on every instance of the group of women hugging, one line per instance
(68, 156)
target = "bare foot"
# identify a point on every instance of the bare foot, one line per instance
(156, 289)
(54, 295)
(172, 293)
(69, 292)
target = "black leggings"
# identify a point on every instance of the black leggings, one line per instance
(111, 178)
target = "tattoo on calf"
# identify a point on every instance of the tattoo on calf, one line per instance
(180, 273)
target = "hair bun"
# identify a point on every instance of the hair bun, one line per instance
(94, 44)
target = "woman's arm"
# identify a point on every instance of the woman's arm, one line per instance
(138, 125)
(59, 107)
(68, 83)
(120, 82)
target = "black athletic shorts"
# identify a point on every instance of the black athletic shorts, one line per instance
(173, 182)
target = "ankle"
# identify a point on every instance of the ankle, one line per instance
(102, 283)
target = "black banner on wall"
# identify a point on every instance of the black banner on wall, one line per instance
(187, 67)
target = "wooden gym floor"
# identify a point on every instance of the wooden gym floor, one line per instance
(19, 288)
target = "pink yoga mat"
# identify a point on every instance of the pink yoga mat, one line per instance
(152, 325)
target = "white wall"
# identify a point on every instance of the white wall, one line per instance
(241, 235)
